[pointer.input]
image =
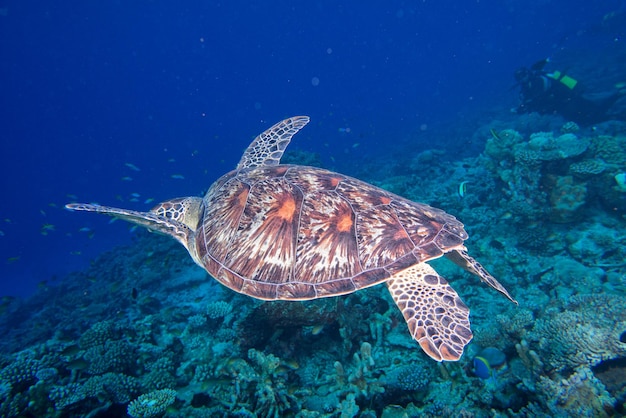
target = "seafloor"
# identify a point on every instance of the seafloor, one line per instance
(147, 333)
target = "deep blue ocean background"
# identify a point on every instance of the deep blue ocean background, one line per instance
(128, 104)
(91, 90)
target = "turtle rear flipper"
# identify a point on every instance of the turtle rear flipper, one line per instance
(435, 314)
(152, 221)
(467, 262)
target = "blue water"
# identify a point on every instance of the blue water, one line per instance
(90, 90)
(128, 104)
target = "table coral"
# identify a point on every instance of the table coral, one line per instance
(588, 168)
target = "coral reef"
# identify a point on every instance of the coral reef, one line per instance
(545, 214)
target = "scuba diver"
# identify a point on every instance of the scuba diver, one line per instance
(558, 93)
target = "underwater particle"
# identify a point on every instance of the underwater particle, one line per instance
(329, 51)
(315, 81)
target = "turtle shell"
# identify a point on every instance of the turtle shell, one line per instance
(295, 233)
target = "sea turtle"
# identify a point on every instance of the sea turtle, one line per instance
(288, 232)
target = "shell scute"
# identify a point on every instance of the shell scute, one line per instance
(293, 232)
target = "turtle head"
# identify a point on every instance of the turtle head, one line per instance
(177, 218)
(186, 210)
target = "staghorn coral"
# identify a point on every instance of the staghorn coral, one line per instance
(111, 387)
(161, 374)
(64, 396)
(528, 158)
(218, 309)
(112, 356)
(97, 335)
(153, 404)
(22, 372)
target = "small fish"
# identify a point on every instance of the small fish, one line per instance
(78, 364)
(135, 195)
(134, 293)
(127, 178)
(71, 196)
(12, 260)
(1, 233)
(132, 166)
(494, 134)
(178, 176)
(171, 160)
(70, 350)
(482, 368)
(133, 199)
(75, 252)
(84, 229)
(356, 145)
(317, 329)
(462, 188)
(46, 228)
(292, 364)
(149, 200)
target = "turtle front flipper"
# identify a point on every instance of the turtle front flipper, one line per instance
(268, 147)
(152, 221)
(437, 317)
(467, 262)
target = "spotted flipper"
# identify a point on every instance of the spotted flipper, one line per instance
(467, 262)
(268, 147)
(437, 318)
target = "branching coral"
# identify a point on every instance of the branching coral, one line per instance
(152, 405)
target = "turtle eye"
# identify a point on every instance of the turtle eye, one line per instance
(622, 337)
